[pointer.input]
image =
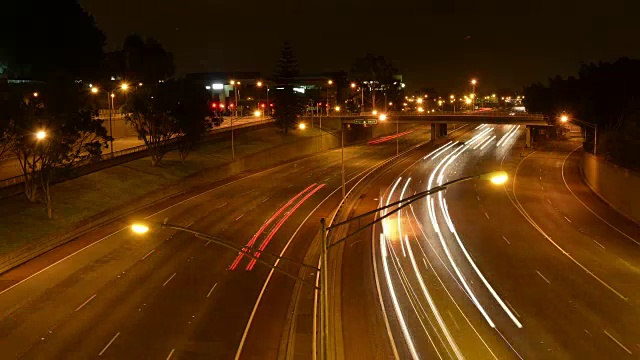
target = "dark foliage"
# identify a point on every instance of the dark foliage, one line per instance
(44, 39)
(603, 94)
(288, 105)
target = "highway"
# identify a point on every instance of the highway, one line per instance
(537, 268)
(112, 294)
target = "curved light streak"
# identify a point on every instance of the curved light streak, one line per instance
(399, 215)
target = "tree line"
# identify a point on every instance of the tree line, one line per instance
(606, 94)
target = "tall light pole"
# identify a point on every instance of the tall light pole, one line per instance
(110, 98)
(473, 84)
(496, 177)
(141, 228)
(235, 94)
(329, 83)
(260, 84)
(565, 118)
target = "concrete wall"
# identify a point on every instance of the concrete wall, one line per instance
(618, 186)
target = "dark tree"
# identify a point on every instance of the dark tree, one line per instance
(72, 135)
(141, 61)
(379, 73)
(287, 104)
(44, 39)
(149, 113)
(192, 113)
(605, 94)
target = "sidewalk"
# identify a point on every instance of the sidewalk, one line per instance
(11, 168)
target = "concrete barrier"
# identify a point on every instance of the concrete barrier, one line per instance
(617, 186)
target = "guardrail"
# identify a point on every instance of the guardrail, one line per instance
(441, 113)
(138, 149)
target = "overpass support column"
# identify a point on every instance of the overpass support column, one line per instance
(434, 131)
(527, 137)
(443, 129)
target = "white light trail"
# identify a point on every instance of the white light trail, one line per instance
(404, 253)
(447, 218)
(432, 305)
(436, 150)
(394, 299)
(511, 127)
(487, 143)
(443, 149)
(511, 135)
(384, 221)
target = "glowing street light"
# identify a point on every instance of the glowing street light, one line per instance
(94, 90)
(257, 113)
(496, 177)
(140, 228)
(564, 118)
(382, 117)
(337, 108)
(420, 109)
(375, 112)
(259, 84)
(124, 86)
(419, 100)
(474, 81)
(353, 85)
(330, 82)
(302, 126)
(41, 134)
(35, 94)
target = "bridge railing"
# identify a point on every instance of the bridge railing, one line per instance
(137, 149)
(444, 113)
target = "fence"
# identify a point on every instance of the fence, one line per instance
(139, 151)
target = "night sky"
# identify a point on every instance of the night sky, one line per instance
(438, 44)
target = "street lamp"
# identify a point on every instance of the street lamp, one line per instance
(40, 135)
(143, 227)
(329, 83)
(110, 100)
(496, 177)
(564, 118)
(302, 126)
(473, 83)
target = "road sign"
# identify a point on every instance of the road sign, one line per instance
(366, 121)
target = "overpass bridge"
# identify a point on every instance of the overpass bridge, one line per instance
(439, 120)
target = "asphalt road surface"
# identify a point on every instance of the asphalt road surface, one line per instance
(538, 268)
(167, 294)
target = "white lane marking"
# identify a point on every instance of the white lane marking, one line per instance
(549, 200)
(542, 276)
(512, 308)
(191, 223)
(453, 319)
(169, 279)
(588, 208)
(618, 342)
(505, 239)
(267, 198)
(225, 204)
(59, 261)
(478, 197)
(487, 215)
(170, 354)
(239, 217)
(149, 253)
(109, 344)
(207, 243)
(598, 243)
(516, 203)
(85, 303)
(567, 219)
(585, 330)
(210, 291)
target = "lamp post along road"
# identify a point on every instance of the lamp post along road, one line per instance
(565, 118)
(498, 177)
(110, 101)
